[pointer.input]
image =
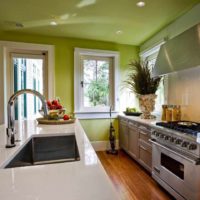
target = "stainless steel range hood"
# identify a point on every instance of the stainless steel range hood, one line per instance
(179, 53)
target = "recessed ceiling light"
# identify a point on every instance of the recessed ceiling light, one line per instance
(140, 4)
(119, 32)
(53, 23)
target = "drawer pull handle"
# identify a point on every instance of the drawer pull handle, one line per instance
(143, 127)
(143, 148)
(143, 133)
(156, 169)
(131, 124)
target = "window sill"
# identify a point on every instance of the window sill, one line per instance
(95, 115)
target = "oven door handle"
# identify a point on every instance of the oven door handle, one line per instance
(193, 161)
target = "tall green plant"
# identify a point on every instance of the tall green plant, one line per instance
(140, 79)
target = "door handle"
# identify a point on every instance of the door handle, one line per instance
(143, 148)
(143, 133)
(82, 83)
(156, 169)
(164, 148)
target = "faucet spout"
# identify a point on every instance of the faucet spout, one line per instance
(10, 112)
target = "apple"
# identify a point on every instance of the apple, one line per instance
(66, 117)
(52, 107)
(59, 106)
(55, 102)
(49, 103)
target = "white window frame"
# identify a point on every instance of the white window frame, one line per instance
(150, 54)
(6, 48)
(80, 112)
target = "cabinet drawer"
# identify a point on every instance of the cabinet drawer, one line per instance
(145, 145)
(145, 136)
(145, 155)
(132, 127)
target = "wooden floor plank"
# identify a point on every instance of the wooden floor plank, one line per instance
(131, 181)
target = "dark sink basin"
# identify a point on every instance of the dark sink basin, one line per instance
(46, 150)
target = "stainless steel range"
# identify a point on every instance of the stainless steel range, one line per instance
(176, 158)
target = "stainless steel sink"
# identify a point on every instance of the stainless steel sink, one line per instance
(46, 150)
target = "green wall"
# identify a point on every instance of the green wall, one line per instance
(98, 129)
(64, 70)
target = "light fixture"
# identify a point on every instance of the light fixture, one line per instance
(119, 32)
(53, 23)
(140, 4)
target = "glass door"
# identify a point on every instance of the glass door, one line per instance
(28, 73)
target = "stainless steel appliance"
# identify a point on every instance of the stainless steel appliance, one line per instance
(176, 158)
(179, 53)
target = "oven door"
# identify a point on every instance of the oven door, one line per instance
(178, 172)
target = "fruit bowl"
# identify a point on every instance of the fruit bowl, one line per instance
(56, 114)
(56, 111)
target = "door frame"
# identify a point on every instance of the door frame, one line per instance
(29, 55)
(6, 48)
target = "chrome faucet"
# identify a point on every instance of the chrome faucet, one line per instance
(10, 131)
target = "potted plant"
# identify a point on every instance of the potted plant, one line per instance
(141, 82)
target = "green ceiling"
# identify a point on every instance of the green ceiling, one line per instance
(92, 19)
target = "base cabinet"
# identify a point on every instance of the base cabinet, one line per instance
(134, 139)
(123, 136)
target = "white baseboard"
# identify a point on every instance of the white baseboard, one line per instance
(103, 145)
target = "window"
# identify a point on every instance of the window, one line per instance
(96, 79)
(150, 56)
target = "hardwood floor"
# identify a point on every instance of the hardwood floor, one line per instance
(130, 179)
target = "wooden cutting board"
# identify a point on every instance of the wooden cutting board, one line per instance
(54, 122)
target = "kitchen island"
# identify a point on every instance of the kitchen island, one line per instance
(80, 180)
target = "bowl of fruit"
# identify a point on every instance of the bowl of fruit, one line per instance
(132, 112)
(56, 110)
(56, 114)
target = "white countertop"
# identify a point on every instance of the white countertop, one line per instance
(81, 180)
(150, 122)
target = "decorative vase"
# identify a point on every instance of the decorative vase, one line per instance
(147, 105)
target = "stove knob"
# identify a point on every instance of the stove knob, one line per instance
(172, 139)
(185, 144)
(167, 137)
(178, 141)
(162, 135)
(153, 132)
(157, 134)
(192, 147)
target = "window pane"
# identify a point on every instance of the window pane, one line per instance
(89, 71)
(28, 74)
(96, 83)
(103, 71)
